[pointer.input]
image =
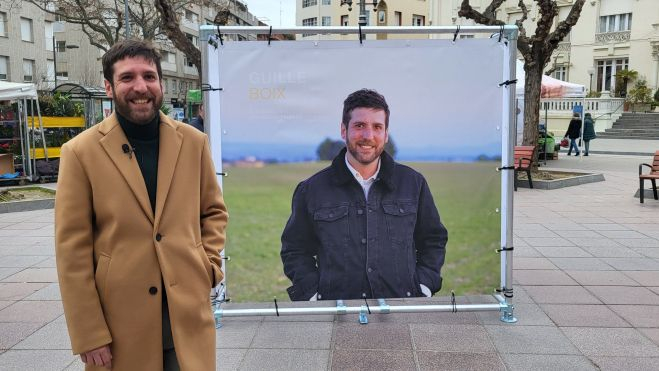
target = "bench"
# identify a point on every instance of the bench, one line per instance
(652, 176)
(523, 162)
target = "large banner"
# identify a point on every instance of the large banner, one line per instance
(280, 116)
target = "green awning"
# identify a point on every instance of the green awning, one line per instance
(194, 96)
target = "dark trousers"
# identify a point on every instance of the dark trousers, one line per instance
(170, 363)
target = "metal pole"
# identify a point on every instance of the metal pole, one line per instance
(54, 61)
(126, 19)
(362, 13)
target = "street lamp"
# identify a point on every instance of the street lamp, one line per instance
(362, 9)
(55, 56)
(591, 71)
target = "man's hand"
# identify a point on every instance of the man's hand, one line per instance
(98, 357)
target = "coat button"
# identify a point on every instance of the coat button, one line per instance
(319, 296)
(153, 290)
(408, 293)
(360, 212)
(369, 270)
(158, 237)
(363, 241)
(401, 210)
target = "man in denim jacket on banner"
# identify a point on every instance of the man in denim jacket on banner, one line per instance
(366, 226)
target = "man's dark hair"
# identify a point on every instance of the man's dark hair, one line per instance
(129, 48)
(365, 98)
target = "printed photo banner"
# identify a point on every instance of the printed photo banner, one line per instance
(280, 103)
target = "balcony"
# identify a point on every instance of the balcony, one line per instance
(612, 37)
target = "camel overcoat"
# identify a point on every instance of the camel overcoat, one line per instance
(113, 254)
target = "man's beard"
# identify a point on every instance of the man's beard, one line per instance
(362, 158)
(139, 117)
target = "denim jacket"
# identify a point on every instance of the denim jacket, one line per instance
(341, 246)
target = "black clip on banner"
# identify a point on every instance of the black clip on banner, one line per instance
(455, 35)
(508, 82)
(506, 168)
(276, 307)
(500, 33)
(367, 307)
(453, 304)
(361, 37)
(270, 36)
(505, 249)
(209, 87)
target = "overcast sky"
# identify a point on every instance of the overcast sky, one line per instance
(269, 11)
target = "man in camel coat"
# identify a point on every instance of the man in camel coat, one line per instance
(139, 226)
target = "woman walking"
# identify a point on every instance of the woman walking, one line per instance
(574, 132)
(588, 131)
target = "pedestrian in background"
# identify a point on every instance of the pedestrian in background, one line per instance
(574, 132)
(588, 132)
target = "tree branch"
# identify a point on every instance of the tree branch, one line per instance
(468, 12)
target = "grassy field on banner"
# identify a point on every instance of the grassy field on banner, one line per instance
(259, 201)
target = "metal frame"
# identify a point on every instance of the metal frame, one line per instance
(505, 295)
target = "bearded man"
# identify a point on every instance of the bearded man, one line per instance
(366, 226)
(139, 226)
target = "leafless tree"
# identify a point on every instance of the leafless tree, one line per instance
(536, 49)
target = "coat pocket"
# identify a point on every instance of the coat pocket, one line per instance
(101, 274)
(206, 263)
(332, 225)
(401, 220)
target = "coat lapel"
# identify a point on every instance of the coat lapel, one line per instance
(170, 146)
(112, 142)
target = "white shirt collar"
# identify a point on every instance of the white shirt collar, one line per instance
(358, 176)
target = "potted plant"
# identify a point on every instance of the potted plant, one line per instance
(640, 97)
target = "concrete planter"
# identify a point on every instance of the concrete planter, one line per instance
(584, 178)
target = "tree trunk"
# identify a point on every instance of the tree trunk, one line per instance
(532, 90)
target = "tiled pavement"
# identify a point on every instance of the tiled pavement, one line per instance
(586, 295)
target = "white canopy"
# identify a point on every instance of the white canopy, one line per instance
(17, 90)
(551, 87)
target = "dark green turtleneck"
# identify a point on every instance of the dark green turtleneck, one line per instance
(144, 139)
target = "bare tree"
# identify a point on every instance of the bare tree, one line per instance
(536, 49)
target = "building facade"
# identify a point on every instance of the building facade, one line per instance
(39, 48)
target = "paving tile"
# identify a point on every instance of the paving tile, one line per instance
(651, 333)
(547, 241)
(373, 336)
(229, 359)
(655, 289)
(605, 227)
(7, 272)
(236, 334)
(621, 342)
(294, 335)
(17, 291)
(638, 315)
(601, 278)
(459, 361)
(32, 311)
(612, 252)
(76, 365)
(650, 252)
(521, 296)
(621, 234)
(527, 314)
(542, 277)
(579, 234)
(535, 233)
(42, 360)
(14, 332)
(34, 275)
(633, 264)
(348, 359)
(20, 261)
(638, 242)
(547, 362)
(451, 338)
(645, 278)
(532, 263)
(561, 295)
(626, 363)
(565, 315)
(6, 303)
(528, 227)
(624, 295)
(50, 292)
(51, 336)
(581, 264)
(48, 263)
(565, 226)
(526, 252)
(563, 252)
(530, 340)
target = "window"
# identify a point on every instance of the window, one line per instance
(187, 62)
(63, 74)
(560, 73)
(28, 70)
(382, 16)
(398, 19)
(418, 20)
(3, 24)
(48, 29)
(26, 30)
(193, 39)
(310, 21)
(60, 46)
(606, 71)
(308, 3)
(327, 21)
(615, 23)
(344, 20)
(327, 2)
(174, 86)
(165, 85)
(4, 68)
(168, 57)
(50, 69)
(191, 16)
